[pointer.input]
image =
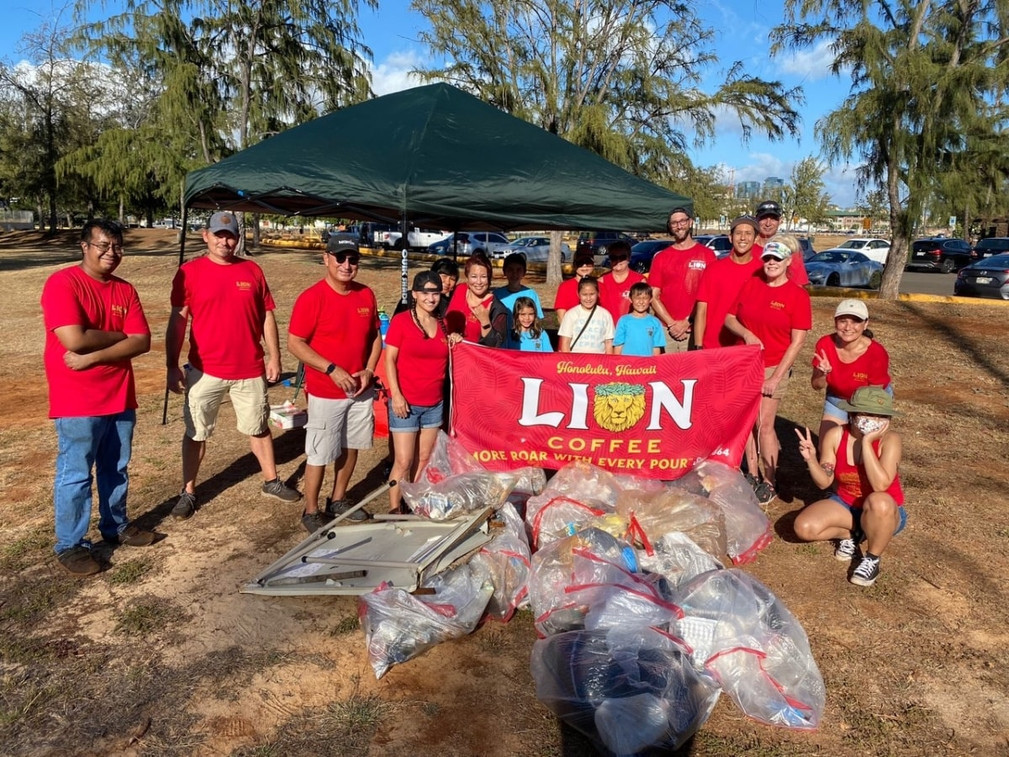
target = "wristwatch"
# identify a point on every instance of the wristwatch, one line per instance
(330, 368)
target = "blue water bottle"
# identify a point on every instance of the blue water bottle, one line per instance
(383, 323)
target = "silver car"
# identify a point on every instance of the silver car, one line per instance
(536, 249)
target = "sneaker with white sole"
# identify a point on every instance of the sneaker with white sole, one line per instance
(765, 492)
(867, 572)
(279, 490)
(845, 550)
(336, 508)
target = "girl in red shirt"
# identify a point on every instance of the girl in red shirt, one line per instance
(858, 462)
(847, 359)
(775, 313)
(416, 362)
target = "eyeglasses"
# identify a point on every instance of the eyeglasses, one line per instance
(116, 248)
(343, 256)
(684, 222)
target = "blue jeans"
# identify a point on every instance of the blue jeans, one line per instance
(102, 443)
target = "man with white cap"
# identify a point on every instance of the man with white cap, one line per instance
(231, 308)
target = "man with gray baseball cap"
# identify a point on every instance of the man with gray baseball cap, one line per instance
(231, 309)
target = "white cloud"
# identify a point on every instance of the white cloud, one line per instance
(394, 74)
(810, 65)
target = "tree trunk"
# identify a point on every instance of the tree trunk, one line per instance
(554, 272)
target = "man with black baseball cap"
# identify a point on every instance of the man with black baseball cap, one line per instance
(675, 276)
(768, 215)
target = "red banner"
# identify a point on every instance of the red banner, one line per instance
(650, 416)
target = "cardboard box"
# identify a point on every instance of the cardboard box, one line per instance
(288, 416)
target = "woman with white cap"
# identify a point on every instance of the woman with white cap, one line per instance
(858, 462)
(847, 359)
(775, 313)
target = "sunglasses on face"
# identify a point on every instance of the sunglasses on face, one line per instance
(346, 257)
(427, 291)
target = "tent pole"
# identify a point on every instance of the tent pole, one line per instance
(404, 264)
(182, 259)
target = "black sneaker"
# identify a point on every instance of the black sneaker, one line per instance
(765, 492)
(185, 507)
(867, 572)
(845, 550)
(279, 490)
(78, 561)
(314, 521)
(336, 508)
(751, 480)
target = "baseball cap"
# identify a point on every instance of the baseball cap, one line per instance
(768, 208)
(854, 308)
(223, 221)
(427, 281)
(583, 258)
(775, 250)
(740, 220)
(680, 209)
(871, 400)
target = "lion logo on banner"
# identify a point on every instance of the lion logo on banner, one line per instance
(618, 406)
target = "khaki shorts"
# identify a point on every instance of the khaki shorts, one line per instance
(336, 425)
(672, 346)
(779, 393)
(204, 394)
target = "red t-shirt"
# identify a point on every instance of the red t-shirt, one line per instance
(872, 368)
(459, 318)
(71, 297)
(567, 294)
(615, 296)
(771, 313)
(227, 306)
(677, 273)
(720, 287)
(852, 482)
(422, 361)
(340, 327)
(796, 265)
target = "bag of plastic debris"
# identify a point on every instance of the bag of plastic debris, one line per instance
(506, 558)
(677, 559)
(398, 626)
(673, 509)
(747, 640)
(628, 692)
(458, 494)
(747, 529)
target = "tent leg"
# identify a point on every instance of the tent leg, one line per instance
(404, 272)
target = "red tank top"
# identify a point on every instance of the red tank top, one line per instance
(851, 482)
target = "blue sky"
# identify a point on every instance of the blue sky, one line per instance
(741, 30)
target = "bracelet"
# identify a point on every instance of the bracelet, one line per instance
(485, 326)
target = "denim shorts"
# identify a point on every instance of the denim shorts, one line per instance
(856, 512)
(421, 416)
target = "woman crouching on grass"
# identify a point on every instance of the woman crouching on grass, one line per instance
(859, 462)
(416, 361)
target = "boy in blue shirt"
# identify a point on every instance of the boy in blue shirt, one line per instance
(639, 333)
(514, 269)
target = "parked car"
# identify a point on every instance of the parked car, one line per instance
(806, 245)
(874, 249)
(642, 254)
(844, 268)
(991, 246)
(597, 242)
(470, 243)
(940, 254)
(988, 277)
(536, 249)
(719, 243)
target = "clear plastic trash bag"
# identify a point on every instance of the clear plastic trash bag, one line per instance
(742, 635)
(506, 558)
(458, 494)
(677, 558)
(660, 513)
(628, 692)
(398, 626)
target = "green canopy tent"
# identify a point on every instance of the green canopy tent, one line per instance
(438, 157)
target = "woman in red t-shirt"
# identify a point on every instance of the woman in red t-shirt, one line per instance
(847, 359)
(416, 361)
(858, 461)
(473, 311)
(775, 313)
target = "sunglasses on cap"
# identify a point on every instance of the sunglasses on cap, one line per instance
(347, 256)
(619, 258)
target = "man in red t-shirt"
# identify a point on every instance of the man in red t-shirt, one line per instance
(95, 325)
(768, 216)
(721, 283)
(674, 277)
(615, 286)
(231, 309)
(334, 332)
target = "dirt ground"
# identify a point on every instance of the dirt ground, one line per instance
(160, 654)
